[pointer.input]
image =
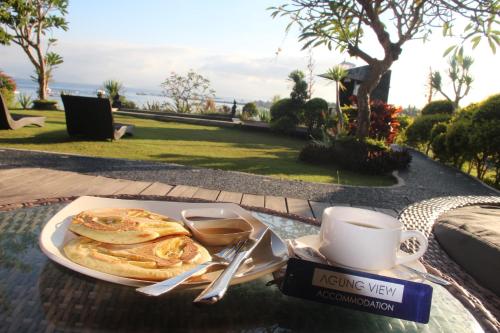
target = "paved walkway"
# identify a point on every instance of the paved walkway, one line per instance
(30, 175)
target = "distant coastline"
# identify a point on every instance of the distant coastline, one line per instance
(139, 96)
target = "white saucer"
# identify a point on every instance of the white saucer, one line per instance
(398, 272)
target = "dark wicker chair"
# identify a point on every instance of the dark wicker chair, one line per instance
(92, 118)
(482, 302)
(8, 121)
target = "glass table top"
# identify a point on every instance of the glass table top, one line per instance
(39, 295)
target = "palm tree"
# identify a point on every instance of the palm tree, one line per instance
(337, 73)
(113, 88)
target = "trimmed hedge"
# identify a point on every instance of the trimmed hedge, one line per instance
(315, 113)
(438, 107)
(285, 115)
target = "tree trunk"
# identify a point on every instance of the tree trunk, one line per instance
(340, 124)
(375, 72)
(42, 86)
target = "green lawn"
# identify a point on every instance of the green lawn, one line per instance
(194, 145)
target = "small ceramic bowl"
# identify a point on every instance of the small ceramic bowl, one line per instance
(216, 226)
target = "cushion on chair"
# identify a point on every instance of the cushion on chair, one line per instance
(471, 237)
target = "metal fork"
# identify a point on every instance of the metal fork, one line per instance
(223, 257)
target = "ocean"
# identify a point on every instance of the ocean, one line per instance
(139, 96)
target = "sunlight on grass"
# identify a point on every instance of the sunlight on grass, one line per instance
(194, 145)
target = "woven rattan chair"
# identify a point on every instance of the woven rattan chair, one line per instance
(92, 118)
(8, 121)
(482, 303)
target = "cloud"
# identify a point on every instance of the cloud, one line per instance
(238, 75)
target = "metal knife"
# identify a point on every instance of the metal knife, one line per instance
(216, 290)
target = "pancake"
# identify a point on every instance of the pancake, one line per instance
(124, 225)
(155, 260)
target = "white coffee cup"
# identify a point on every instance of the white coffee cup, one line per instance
(365, 239)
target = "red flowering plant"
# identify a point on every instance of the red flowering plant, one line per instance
(384, 124)
(7, 87)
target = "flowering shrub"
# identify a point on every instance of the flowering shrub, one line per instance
(7, 88)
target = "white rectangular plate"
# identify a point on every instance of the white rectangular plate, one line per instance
(270, 255)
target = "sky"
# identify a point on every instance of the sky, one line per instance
(232, 43)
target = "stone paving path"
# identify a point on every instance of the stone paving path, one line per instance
(86, 175)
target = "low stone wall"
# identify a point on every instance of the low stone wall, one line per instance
(209, 120)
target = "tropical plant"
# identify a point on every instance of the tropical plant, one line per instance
(343, 24)
(7, 88)
(188, 92)
(336, 74)
(112, 88)
(26, 23)
(24, 100)
(384, 123)
(459, 75)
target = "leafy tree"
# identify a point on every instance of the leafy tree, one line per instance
(459, 74)
(299, 92)
(188, 92)
(26, 23)
(336, 74)
(343, 24)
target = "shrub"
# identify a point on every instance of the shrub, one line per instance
(249, 110)
(44, 104)
(485, 137)
(404, 121)
(369, 156)
(7, 88)
(315, 113)
(419, 133)
(488, 110)
(285, 115)
(458, 137)
(317, 153)
(284, 124)
(128, 104)
(438, 107)
(437, 129)
(350, 153)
